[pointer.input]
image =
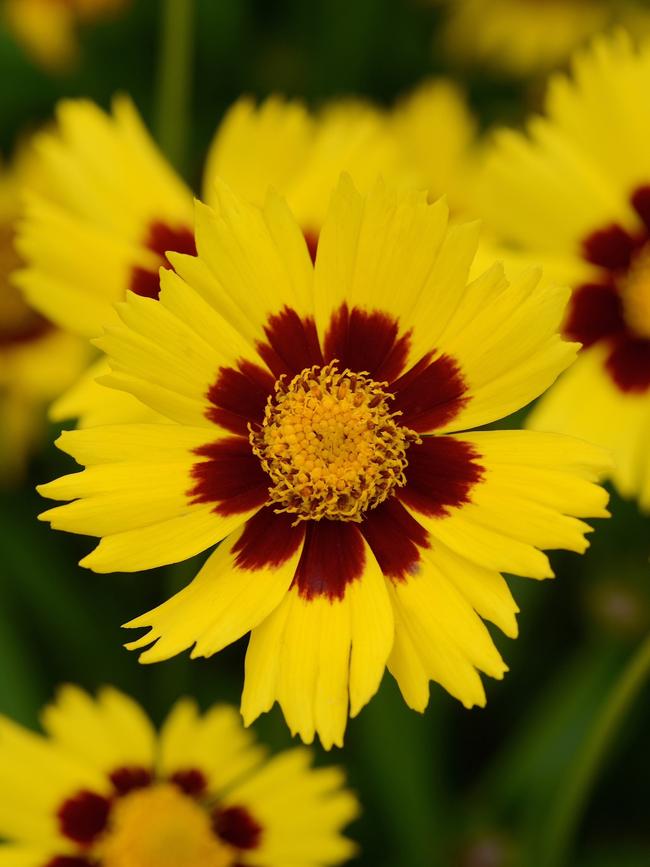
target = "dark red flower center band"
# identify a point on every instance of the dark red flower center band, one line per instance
(161, 238)
(599, 312)
(86, 816)
(32, 328)
(440, 474)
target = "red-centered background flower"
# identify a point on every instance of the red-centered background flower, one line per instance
(316, 415)
(113, 792)
(614, 309)
(587, 160)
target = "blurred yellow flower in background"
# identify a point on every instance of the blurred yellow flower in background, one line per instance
(115, 207)
(37, 360)
(48, 29)
(100, 223)
(301, 155)
(527, 37)
(103, 789)
(575, 194)
(437, 134)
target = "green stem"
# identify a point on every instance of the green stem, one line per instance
(569, 806)
(175, 79)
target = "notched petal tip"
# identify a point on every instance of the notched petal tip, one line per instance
(65, 443)
(93, 561)
(146, 641)
(327, 742)
(305, 737)
(512, 631)
(48, 514)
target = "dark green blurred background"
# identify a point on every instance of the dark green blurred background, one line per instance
(452, 787)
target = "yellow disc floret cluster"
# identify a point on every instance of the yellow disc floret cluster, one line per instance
(162, 827)
(330, 444)
(636, 294)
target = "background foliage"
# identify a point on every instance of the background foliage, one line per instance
(452, 787)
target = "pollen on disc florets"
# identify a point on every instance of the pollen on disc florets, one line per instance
(330, 444)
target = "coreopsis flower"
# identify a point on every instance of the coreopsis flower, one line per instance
(521, 38)
(47, 29)
(587, 161)
(114, 207)
(37, 361)
(321, 423)
(103, 789)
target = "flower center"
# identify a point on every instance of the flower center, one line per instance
(331, 445)
(162, 827)
(636, 294)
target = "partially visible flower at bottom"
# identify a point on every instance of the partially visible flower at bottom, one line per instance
(103, 789)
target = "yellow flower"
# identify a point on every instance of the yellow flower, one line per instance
(316, 416)
(575, 194)
(521, 37)
(103, 789)
(37, 361)
(47, 29)
(114, 207)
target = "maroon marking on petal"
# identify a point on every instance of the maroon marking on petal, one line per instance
(164, 238)
(641, 203)
(161, 239)
(239, 396)
(231, 477)
(441, 473)
(595, 311)
(191, 781)
(83, 817)
(126, 780)
(430, 394)
(629, 364)
(395, 538)
(34, 327)
(268, 540)
(367, 341)
(145, 283)
(69, 861)
(332, 557)
(236, 826)
(311, 239)
(292, 343)
(609, 248)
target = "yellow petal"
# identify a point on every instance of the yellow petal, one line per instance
(328, 654)
(107, 733)
(215, 743)
(225, 601)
